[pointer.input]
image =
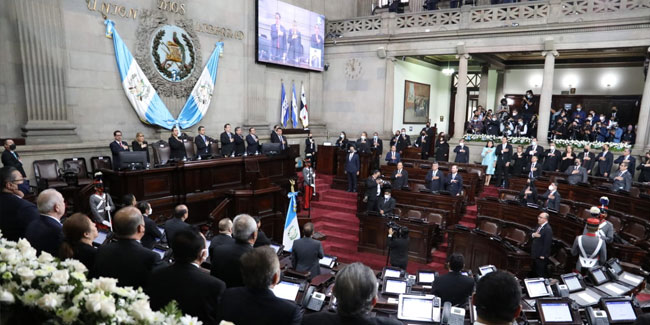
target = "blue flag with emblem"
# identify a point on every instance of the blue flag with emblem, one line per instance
(199, 101)
(291, 228)
(285, 108)
(294, 107)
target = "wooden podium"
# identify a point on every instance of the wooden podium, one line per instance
(326, 159)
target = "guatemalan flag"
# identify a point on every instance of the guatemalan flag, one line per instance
(138, 89)
(294, 107)
(285, 108)
(199, 101)
(304, 115)
(291, 228)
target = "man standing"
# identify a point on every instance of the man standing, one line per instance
(462, 152)
(392, 157)
(10, 157)
(373, 191)
(352, 166)
(423, 143)
(377, 147)
(282, 140)
(454, 182)
(386, 205)
(224, 237)
(541, 248)
(177, 223)
(551, 161)
(309, 182)
(622, 180)
(590, 249)
(551, 198)
(588, 159)
(16, 213)
(101, 203)
(605, 162)
(307, 252)
(116, 147)
(504, 155)
(240, 142)
(227, 141)
(435, 179)
(454, 286)
(202, 142)
(253, 142)
(533, 169)
(45, 233)
(627, 158)
(278, 39)
(310, 147)
(576, 173)
(400, 177)
(535, 150)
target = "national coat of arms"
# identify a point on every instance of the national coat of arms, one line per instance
(173, 53)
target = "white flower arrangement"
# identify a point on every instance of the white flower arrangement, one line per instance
(487, 137)
(559, 143)
(59, 292)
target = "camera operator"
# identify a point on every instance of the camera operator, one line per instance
(398, 245)
(373, 190)
(386, 205)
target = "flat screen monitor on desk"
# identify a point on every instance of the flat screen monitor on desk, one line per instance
(392, 273)
(573, 282)
(598, 276)
(132, 160)
(394, 286)
(419, 308)
(619, 311)
(426, 277)
(101, 238)
(483, 270)
(277, 248)
(271, 148)
(287, 290)
(555, 312)
(160, 252)
(327, 261)
(537, 288)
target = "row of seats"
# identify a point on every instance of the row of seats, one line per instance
(74, 171)
(162, 151)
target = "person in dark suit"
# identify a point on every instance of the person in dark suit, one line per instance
(342, 142)
(227, 141)
(275, 138)
(405, 141)
(256, 304)
(392, 157)
(176, 145)
(45, 233)
(529, 193)
(126, 259)
(139, 144)
(622, 179)
(373, 190)
(116, 147)
(588, 159)
(16, 213)
(363, 144)
(644, 167)
(177, 222)
(400, 177)
(377, 145)
(10, 158)
(310, 147)
(253, 146)
(352, 166)
(262, 238)
(497, 299)
(551, 159)
(435, 179)
(627, 157)
(79, 232)
(224, 237)
(278, 40)
(355, 289)
(203, 142)
(398, 141)
(306, 252)
(454, 182)
(240, 142)
(282, 139)
(576, 173)
(422, 142)
(386, 205)
(454, 286)
(151, 232)
(605, 162)
(295, 50)
(462, 152)
(398, 245)
(534, 150)
(504, 156)
(534, 168)
(442, 148)
(541, 248)
(196, 292)
(226, 258)
(551, 198)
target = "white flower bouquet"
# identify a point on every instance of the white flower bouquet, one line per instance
(495, 138)
(613, 146)
(47, 290)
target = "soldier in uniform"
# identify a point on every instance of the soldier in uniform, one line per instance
(101, 204)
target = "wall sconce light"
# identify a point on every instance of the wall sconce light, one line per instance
(608, 81)
(571, 81)
(448, 71)
(536, 81)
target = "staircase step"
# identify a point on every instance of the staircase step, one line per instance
(439, 257)
(339, 194)
(344, 200)
(326, 225)
(335, 206)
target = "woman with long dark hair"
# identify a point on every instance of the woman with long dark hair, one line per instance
(442, 147)
(78, 235)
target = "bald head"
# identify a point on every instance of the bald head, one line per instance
(50, 202)
(128, 223)
(225, 226)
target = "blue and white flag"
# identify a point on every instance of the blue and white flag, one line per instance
(285, 108)
(291, 228)
(199, 101)
(294, 107)
(138, 89)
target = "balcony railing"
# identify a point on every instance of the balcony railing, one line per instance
(529, 13)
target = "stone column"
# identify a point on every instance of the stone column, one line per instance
(43, 51)
(389, 97)
(461, 96)
(546, 96)
(644, 116)
(499, 89)
(483, 87)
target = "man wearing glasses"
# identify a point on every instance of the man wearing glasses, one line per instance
(15, 212)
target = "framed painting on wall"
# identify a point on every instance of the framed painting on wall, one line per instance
(416, 102)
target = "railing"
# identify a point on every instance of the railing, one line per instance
(505, 15)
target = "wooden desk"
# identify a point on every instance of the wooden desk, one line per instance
(412, 153)
(445, 165)
(326, 159)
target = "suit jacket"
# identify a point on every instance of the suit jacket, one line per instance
(275, 138)
(8, 159)
(631, 167)
(305, 254)
(330, 318)
(531, 198)
(196, 292)
(580, 177)
(387, 206)
(137, 147)
(553, 204)
(587, 164)
(536, 173)
(177, 149)
(45, 234)
(352, 165)
(363, 146)
(457, 187)
(174, 225)
(453, 287)
(380, 146)
(262, 239)
(503, 157)
(240, 145)
(85, 254)
(127, 261)
(436, 185)
(310, 147)
(399, 247)
(389, 157)
(539, 152)
(253, 144)
(624, 184)
(605, 166)
(151, 233)
(115, 150)
(225, 262)
(246, 306)
(400, 182)
(423, 144)
(551, 160)
(218, 240)
(542, 246)
(15, 215)
(202, 147)
(227, 147)
(371, 189)
(461, 157)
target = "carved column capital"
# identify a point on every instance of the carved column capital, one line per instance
(553, 52)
